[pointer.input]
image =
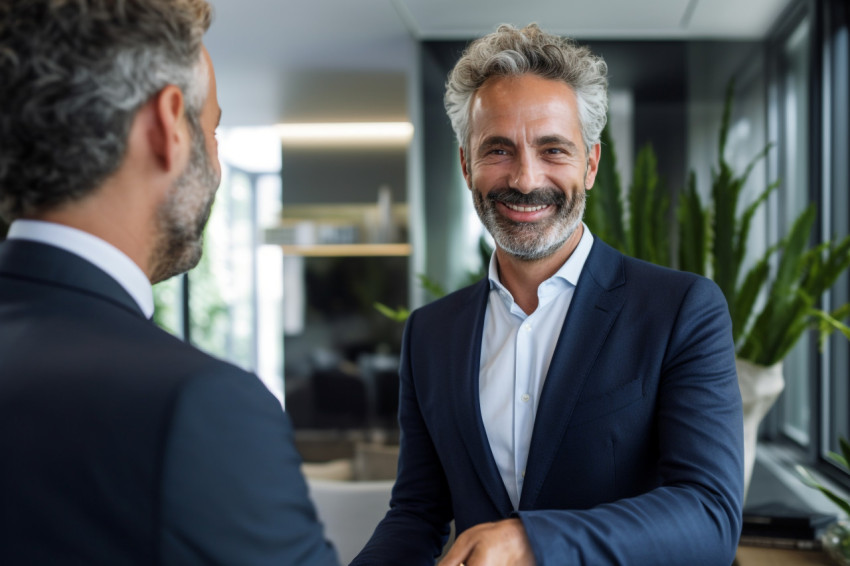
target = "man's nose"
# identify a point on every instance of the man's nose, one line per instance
(527, 175)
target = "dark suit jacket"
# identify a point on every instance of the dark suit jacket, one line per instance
(120, 444)
(636, 452)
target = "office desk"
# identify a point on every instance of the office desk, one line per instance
(755, 556)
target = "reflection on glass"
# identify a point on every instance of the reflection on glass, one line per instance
(837, 202)
(794, 197)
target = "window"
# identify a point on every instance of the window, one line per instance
(835, 218)
(808, 115)
(789, 162)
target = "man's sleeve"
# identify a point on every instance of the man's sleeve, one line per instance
(694, 516)
(232, 490)
(416, 527)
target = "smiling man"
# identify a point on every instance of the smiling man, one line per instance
(577, 406)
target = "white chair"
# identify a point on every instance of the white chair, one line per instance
(350, 511)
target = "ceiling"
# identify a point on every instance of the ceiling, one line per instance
(600, 19)
(260, 47)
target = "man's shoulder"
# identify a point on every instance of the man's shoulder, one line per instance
(129, 348)
(638, 268)
(653, 284)
(641, 271)
(176, 372)
(184, 366)
(647, 283)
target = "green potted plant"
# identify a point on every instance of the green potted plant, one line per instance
(763, 337)
(802, 275)
(638, 227)
(836, 538)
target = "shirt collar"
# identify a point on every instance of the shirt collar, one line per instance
(94, 250)
(568, 272)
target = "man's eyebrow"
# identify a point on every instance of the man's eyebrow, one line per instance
(556, 140)
(495, 141)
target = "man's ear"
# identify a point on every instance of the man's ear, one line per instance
(169, 134)
(464, 166)
(592, 166)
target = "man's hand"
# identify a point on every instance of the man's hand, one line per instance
(491, 544)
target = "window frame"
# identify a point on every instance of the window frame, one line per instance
(828, 87)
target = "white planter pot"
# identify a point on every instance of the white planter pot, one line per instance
(760, 386)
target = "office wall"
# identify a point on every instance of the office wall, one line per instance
(351, 174)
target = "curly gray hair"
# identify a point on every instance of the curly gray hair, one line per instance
(74, 74)
(510, 52)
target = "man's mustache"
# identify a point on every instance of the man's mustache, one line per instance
(538, 197)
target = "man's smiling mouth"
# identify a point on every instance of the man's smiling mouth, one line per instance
(520, 208)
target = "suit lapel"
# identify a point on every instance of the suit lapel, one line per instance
(467, 331)
(34, 261)
(596, 303)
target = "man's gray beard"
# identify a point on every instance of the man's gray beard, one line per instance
(531, 241)
(182, 217)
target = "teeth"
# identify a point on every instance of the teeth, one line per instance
(519, 208)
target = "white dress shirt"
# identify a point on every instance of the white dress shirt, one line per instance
(516, 350)
(94, 250)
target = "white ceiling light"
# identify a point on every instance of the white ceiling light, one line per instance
(346, 134)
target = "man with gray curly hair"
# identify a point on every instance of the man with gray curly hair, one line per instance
(577, 406)
(120, 443)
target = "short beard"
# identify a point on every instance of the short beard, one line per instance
(531, 241)
(185, 212)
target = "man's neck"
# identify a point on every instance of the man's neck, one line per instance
(94, 250)
(522, 278)
(105, 218)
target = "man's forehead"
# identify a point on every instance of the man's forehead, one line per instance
(509, 98)
(497, 82)
(506, 96)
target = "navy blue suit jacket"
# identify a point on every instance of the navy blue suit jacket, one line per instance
(120, 444)
(636, 452)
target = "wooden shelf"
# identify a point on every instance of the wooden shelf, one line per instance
(347, 250)
(755, 556)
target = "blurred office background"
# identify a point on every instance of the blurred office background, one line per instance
(342, 184)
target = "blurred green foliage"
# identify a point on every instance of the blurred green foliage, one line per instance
(791, 275)
(435, 290)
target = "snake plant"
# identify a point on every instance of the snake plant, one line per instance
(791, 275)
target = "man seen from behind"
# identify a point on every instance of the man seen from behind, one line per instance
(120, 444)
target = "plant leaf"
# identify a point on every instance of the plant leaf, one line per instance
(604, 205)
(828, 324)
(399, 315)
(431, 286)
(643, 199)
(746, 221)
(727, 114)
(693, 230)
(810, 481)
(747, 294)
(793, 249)
(838, 459)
